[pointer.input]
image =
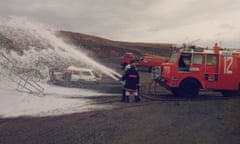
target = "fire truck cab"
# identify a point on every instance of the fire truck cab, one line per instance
(188, 71)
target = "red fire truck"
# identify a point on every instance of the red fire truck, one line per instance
(150, 61)
(188, 71)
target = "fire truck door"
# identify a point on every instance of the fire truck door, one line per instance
(211, 68)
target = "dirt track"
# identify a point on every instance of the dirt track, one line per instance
(149, 122)
(208, 119)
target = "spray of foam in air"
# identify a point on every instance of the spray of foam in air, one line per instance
(59, 46)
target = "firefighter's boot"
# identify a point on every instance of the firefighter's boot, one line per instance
(123, 99)
(137, 99)
(123, 95)
(127, 99)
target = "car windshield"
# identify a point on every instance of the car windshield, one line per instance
(86, 73)
(173, 58)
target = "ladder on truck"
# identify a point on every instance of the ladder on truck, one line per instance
(26, 79)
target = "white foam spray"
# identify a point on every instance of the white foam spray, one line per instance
(59, 45)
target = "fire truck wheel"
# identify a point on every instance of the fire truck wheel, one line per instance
(189, 88)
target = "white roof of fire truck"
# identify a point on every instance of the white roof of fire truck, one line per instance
(215, 50)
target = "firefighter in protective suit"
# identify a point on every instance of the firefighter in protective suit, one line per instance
(131, 78)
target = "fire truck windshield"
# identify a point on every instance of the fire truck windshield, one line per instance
(173, 58)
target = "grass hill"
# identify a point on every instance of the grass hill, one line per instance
(103, 48)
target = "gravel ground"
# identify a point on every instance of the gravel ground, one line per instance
(208, 119)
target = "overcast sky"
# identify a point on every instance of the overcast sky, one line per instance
(205, 21)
